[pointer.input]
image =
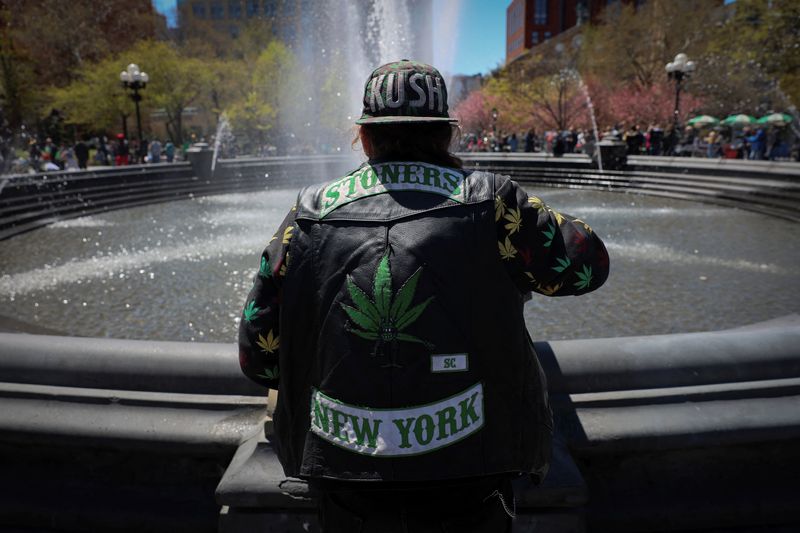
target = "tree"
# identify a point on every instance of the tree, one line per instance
(268, 96)
(176, 81)
(754, 56)
(541, 90)
(474, 112)
(627, 104)
(61, 37)
(18, 94)
(632, 44)
(96, 98)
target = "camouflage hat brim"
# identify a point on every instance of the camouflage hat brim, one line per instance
(404, 120)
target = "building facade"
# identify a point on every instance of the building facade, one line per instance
(530, 22)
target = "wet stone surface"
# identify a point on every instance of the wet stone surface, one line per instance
(181, 270)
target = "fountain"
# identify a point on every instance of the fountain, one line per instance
(590, 107)
(222, 138)
(178, 271)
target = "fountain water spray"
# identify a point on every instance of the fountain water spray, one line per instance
(223, 136)
(320, 96)
(590, 106)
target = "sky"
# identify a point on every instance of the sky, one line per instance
(480, 33)
(473, 32)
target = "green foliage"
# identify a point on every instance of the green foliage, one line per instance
(177, 82)
(541, 89)
(18, 92)
(255, 105)
(95, 98)
(631, 46)
(756, 52)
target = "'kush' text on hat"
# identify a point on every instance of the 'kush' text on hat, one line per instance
(405, 91)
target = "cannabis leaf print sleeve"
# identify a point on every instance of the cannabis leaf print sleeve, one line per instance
(259, 334)
(543, 250)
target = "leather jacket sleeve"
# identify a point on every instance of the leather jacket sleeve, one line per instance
(259, 334)
(543, 250)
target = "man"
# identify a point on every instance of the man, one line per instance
(387, 312)
(82, 153)
(122, 151)
(155, 151)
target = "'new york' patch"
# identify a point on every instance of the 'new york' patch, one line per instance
(397, 432)
(386, 177)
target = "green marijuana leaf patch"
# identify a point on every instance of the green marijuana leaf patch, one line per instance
(383, 318)
(562, 264)
(265, 271)
(550, 233)
(270, 373)
(585, 278)
(251, 311)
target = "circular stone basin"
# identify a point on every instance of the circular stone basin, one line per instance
(181, 270)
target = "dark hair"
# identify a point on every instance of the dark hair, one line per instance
(428, 142)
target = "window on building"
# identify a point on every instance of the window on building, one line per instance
(199, 10)
(251, 8)
(217, 11)
(547, 35)
(540, 12)
(234, 9)
(269, 8)
(534, 37)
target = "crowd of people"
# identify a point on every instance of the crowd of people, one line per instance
(47, 155)
(756, 143)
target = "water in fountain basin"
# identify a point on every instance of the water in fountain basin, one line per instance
(181, 270)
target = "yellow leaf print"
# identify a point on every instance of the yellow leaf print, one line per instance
(499, 208)
(548, 290)
(537, 203)
(584, 224)
(514, 218)
(284, 266)
(287, 234)
(270, 344)
(533, 280)
(507, 250)
(559, 216)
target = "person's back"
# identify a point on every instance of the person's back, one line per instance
(155, 151)
(169, 151)
(388, 313)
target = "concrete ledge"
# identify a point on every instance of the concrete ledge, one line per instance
(705, 414)
(683, 359)
(155, 366)
(169, 427)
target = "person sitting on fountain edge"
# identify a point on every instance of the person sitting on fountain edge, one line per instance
(388, 313)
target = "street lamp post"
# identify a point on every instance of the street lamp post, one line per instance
(134, 79)
(679, 69)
